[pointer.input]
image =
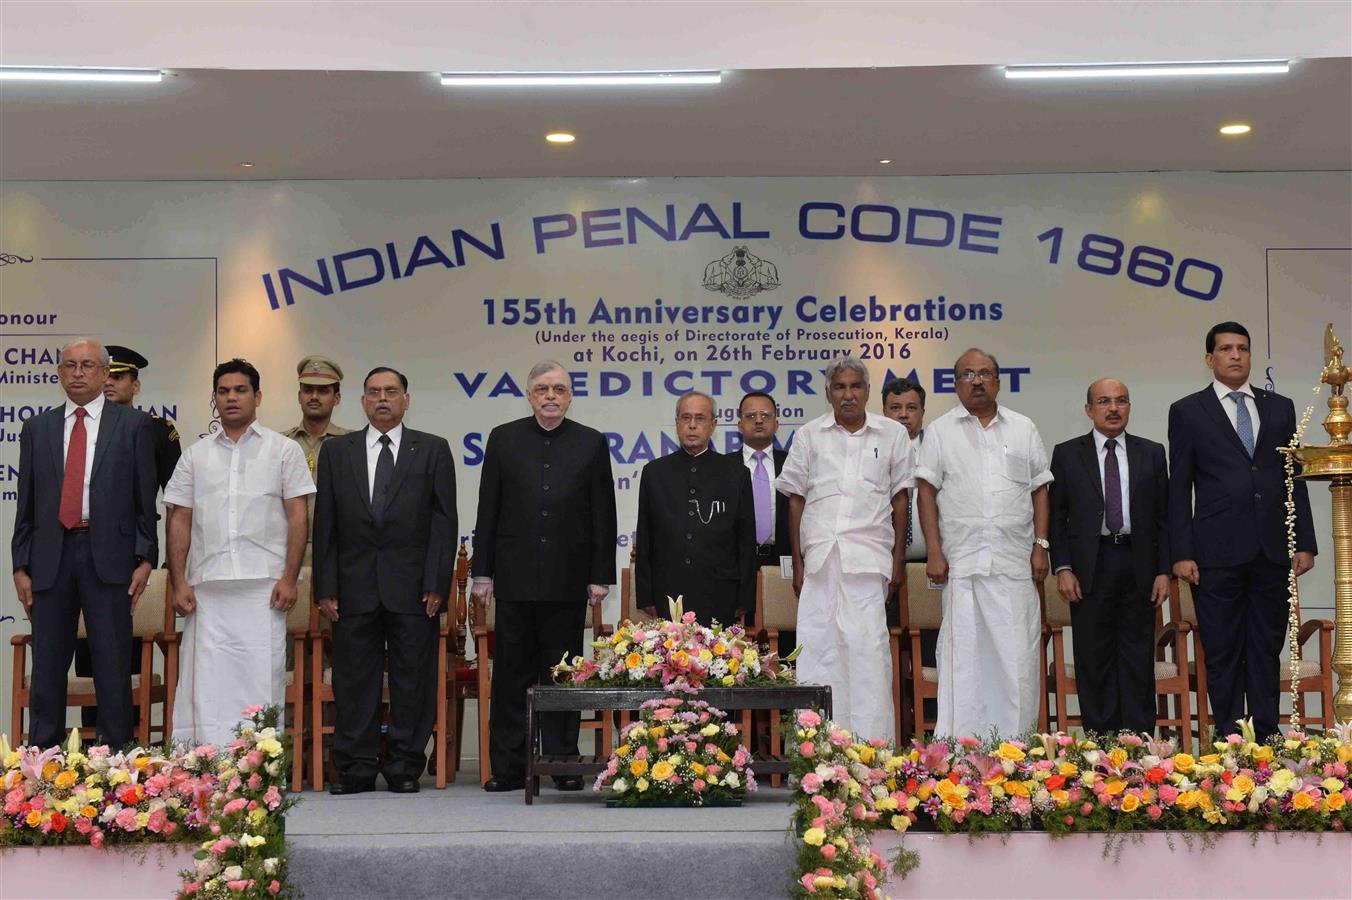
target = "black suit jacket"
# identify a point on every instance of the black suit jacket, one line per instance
(122, 487)
(1225, 508)
(546, 526)
(390, 563)
(1077, 508)
(712, 565)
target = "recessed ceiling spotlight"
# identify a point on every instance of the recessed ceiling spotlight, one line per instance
(578, 79)
(1153, 70)
(1236, 128)
(246, 165)
(885, 162)
(52, 73)
(560, 137)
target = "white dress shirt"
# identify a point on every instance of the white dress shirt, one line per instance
(1231, 410)
(985, 478)
(848, 481)
(748, 458)
(1123, 482)
(235, 490)
(94, 408)
(373, 453)
(916, 550)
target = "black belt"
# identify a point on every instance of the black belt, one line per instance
(1115, 538)
(765, 549)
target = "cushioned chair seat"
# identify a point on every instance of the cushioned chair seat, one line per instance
(1162, 670)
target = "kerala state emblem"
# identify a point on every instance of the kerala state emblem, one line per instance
(741, 274)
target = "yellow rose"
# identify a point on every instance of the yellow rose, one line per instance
(662, 771)
(1114, 786)
(1263, 754)
(658, 731)
(1344, 753)
(734, 664)
(1131, 803)
(633, 660)
(709, 730)
(638, 767)
(1244, 784)
(1334, 802)
(697, 768)
(66, 780)
(1183, 762)
(1118, 757)
(1017, 788)
(118, 776)
(1302, 800)
(270, 746)
(623, 750)
(34, 818)
(814, 837)
(1210, 759)
(50, 769)
(94, 795)
(1332, 785)
(1069, 770)
(641, 785)
(729, 681)
(649, 659)
(1061, 797)
(1010, 752)
(867, 754)
(88, 811)
(720, 648)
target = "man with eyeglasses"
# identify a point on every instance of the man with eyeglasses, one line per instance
(384, 559)
(758, 422)
(696, 535)
(1110, 554)
(544, 548)
(846, 479)
(84, 541)
(983, 479)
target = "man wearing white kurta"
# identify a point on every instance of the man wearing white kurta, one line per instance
(846, 478)
(983, 477)
(236, 538)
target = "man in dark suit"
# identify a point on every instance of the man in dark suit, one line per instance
(696, 535)
(1227, 528)
(544, 546)
(1110, 553)
(84, 541)
(384, 557)
(757, 422)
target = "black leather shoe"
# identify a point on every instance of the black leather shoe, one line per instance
(340, 788)
(403, 785)
(568, 783)
(496, 785)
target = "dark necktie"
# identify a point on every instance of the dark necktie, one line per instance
(1243, 422)
(1112, 489)
(72, 483)
(384, 472)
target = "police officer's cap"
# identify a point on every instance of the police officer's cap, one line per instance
(124, 359)
(318, 370)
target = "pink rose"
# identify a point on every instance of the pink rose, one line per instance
(251, 711)
(234, 806)
(273, 798)
(969, 742)
(1168, 793)
(809, 882)
(96, 840)
(241, 885)
(698, 786)
(828, 851)
(274, 887)
(158, 819)
(126, 819)
(221, 846)
(807, 749)
(812, 782)
(808, 718)
(255, 781)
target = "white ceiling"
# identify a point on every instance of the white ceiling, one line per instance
(360, 100)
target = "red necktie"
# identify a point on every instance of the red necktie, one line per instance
(72, 485)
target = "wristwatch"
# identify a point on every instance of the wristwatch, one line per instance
(1043, 543)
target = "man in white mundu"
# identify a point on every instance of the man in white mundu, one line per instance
(983, 477)
(846, 478)
(236, 538)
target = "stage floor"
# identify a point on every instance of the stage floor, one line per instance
(462, 842)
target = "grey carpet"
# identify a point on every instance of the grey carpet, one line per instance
(464, 843)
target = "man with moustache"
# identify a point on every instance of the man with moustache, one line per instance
(544, 548)
(384, 558)
(696, 534)
(321, 390)
(84, 541)
(1110, 554)
(1227, 528)
(983, 478)
(758, 422)
(846, 478)
(236, 534)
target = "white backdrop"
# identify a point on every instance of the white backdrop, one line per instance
(1056, 275)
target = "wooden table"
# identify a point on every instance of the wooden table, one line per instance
(559, 698)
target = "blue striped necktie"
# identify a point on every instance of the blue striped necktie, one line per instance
(1243, 421)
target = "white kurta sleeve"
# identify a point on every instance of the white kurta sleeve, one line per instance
(1039, 466)
(903, 462)
(296, 479)
(178, 492)
(795, 477)
(930, 466)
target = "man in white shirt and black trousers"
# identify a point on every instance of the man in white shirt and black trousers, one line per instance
(1110, 553)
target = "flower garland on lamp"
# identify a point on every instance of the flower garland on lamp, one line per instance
(1292, 585)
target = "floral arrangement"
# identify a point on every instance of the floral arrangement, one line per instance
(675, 654)
(231, 798)
(845, 788)
(679, 753)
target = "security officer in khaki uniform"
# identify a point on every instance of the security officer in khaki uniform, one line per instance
(320, 391)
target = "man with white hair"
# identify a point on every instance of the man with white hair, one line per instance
(846, 478)
(983, 479)
(544, 547)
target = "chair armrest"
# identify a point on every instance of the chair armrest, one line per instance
(1311, 628)
(19, 640)
(1167, 635)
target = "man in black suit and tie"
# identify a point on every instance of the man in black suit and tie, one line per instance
(1110, 553)
(1227, 528)
(84, 541)
(384, 557)
(757, 422)
(696, 535)
(544, 546)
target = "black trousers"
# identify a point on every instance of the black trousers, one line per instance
(361, 642)
(1242, 615)
(84, 667)
(1115, 646)
(531, 638)
(55, 616)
